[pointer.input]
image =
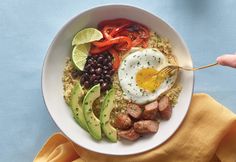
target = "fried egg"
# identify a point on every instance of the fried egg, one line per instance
(147, 61)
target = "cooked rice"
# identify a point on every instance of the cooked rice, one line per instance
(68, 81)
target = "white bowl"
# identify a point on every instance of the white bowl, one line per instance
(61, 48)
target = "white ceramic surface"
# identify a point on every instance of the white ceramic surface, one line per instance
(61, 48)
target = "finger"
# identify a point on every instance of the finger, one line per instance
(227, 60)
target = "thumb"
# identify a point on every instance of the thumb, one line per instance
(227, 60)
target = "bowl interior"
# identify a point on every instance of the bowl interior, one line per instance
(60, 50)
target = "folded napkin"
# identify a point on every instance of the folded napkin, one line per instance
(208, 134)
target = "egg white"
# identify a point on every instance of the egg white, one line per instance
(135, 61)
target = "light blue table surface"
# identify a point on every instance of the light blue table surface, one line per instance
(27, 28)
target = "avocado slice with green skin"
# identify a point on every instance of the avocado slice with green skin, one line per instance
(107, 106)
(93, 123)
(76, 106)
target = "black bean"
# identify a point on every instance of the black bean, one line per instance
(86, 84)
(104, 87)
(111, 72)
(82, 79)
(101, 81)
(97, 77)
(86, 75)
(105, 67)
(87, 67)
(107, 76)
(109, 65)
(99, 65)
(95, 81)
(98, 71)
(93, 77)
(108, 80)
(105, 61)
(94, 62)
(92, 71)
(105, 72)
(100, 59)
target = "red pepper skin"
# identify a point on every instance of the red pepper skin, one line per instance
(116, 40)
(106, 32)
(116, 62)
(137, 42)
(120, 28)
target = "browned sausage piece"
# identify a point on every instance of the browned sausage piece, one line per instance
(166, 113)
(164, 103)
(150, 111)
(146, 126)
(130, 134)
(134, 110)
(122, 121)
(165, 108)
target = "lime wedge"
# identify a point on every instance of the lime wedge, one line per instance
(87, 35)
(80, 54)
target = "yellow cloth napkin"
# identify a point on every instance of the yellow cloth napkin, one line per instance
(208, 134)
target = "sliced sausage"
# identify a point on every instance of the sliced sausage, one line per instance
(146, 126)
(165, 108)
(166, 113)
(134, 110)
(130, 134)
(122, 121)
(164, 103)
(150, 111)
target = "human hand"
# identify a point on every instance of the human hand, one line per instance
(227, 60)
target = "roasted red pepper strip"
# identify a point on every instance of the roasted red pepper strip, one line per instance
(110, 31)
(95, 50)
(116, 40)
(116, 61)
(121, 47)
(106, 32)
(120, 28)
(137, 41)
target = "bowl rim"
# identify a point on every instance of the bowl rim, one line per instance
(43, 69)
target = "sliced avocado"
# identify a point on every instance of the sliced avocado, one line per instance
(107, 106)
(93, 123)
(76, 106)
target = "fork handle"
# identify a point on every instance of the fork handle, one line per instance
(201, 67)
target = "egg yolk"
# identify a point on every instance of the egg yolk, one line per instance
(147, 80)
